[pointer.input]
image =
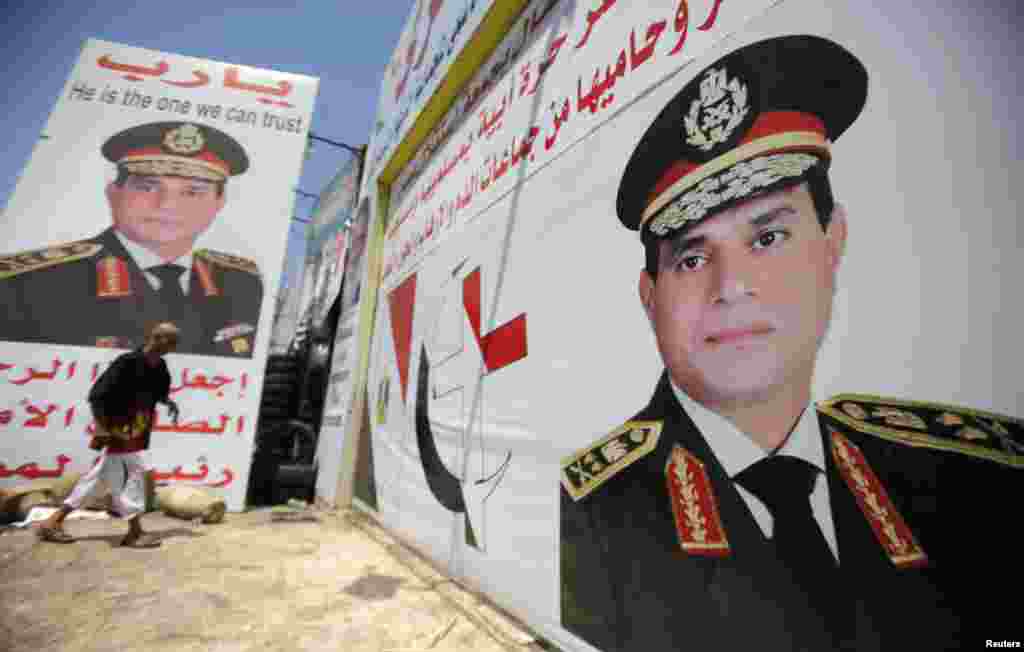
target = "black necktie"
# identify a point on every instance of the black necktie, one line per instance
(171, 294)
(784, 484)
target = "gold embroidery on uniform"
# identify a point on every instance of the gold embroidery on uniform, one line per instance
(586, 470)
(933, 440)
(694, 506)
(890, 529)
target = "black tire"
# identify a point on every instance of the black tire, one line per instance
(280, 379)
(273, 412)
(299, 476)
(284, 363)
(276, 400)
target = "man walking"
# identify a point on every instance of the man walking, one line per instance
(123, 402)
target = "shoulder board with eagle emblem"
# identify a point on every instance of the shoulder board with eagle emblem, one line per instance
(228, 260)
(975, 433)
(588, 469)
(30, 261)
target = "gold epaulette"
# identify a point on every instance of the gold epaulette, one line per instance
(963, 430)
(29, 261)
(228, 260)
(588, 469)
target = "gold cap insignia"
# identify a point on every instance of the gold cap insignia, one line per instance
(186, 139)
(719, 110)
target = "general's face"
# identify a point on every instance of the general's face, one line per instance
(160, 210)
(743, 300)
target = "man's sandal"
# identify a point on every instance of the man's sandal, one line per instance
(140, 541)
(54, 535)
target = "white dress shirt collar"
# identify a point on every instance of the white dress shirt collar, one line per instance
(736, 451)
(145, 259)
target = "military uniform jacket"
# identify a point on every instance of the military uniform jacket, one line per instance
(934, 483)
(92, 293)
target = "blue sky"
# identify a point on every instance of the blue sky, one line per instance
(344, 43)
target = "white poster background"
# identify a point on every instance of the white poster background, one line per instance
(60, 198)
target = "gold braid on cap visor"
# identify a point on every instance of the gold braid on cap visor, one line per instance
(737, 182)
(174, 166)
(735, 174)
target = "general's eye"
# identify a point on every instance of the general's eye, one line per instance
(770, 238)
(690, 263)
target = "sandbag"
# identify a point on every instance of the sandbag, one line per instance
(190, 503)
(34, 499)
(14, 501)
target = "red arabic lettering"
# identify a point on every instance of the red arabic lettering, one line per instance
(95, 370)
(178, 474)
(201, 79)
(241, 425)
(201, 427)
(639, 57)
(710, 22)
(201, 381)
(592, 18)
(6, 416)
(71, 370)
(556, 46)
(41, 418)
(231, 80)
(682, 23)
(39, 375)
(561, 117)
(228, 476)
(31, 471)
(69, 416)
(593, 99)
(131, 70)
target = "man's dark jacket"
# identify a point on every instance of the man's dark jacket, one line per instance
(127, 388)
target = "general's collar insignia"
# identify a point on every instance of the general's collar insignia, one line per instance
(205, 276)
(30, 261)
(588, 469)
(112, 280)
(976, 433)
(723, 105)
(235, 330)
(886, 522)
(694, 506)
(186, 139)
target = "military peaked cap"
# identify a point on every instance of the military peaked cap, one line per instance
(757, 119)
(182, 149)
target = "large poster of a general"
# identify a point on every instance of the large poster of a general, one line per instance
(697, 331)
(158, 192)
